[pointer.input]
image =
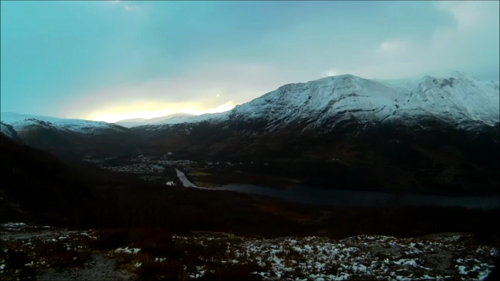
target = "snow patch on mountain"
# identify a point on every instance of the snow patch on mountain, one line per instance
(318, 101)
(399, 85)
(21, 122)
(458, 100)
(211, 117)
(4, 129)
(175, 118)
(208, 117)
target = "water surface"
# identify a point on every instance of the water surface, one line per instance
(341, 197)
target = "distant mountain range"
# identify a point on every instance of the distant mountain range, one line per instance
(169, 119)
(458, 100)
(432, 131)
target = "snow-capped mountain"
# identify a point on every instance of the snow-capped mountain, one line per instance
(458, 100)
(319, 106)
(21, 122)
(68, 137)
(425, 134)
(7, 130)
(168, 119)
(316, 102)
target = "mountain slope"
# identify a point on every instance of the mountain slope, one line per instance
(328, 100)
(70, 137)
(22, 121)
(459, 100)
(433, 133)
(36, 185)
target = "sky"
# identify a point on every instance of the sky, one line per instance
(115, 60)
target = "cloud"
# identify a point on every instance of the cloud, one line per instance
(395, 48)
(451, 36)
(209, 84)
(154, 57)
(468, 14)
(467, 45)
(149, 110)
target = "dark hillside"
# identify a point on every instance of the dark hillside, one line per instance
(35, 185)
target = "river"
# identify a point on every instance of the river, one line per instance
(341, 197)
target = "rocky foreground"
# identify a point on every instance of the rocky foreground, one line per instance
(46, 253)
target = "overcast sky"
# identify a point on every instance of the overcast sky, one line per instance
(116, 60)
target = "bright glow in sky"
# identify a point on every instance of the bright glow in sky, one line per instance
(111, 60)
(116, 114)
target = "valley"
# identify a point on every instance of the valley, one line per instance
(250, 141)
(243, 177)
(335, 168)
(342, 131)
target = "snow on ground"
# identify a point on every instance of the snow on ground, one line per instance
(364, 256)
(21, 227)
(373, 257)
(127, 250)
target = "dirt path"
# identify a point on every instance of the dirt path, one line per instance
(98, 268)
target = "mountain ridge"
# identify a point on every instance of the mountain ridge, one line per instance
(443, 135)
(171, 118)
(466, 102)
(69, 138)
(328, 95)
